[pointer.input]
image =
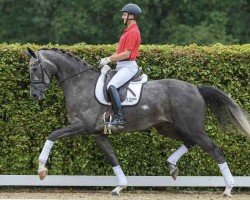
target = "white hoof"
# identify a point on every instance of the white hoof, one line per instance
(42, 172)
(116, 191)
(227, 193)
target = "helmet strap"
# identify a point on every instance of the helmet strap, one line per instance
(126, 22)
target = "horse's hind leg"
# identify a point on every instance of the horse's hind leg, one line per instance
(189, 118)
(212, 149)
(174, 158)
(104, 144)
(167, 130)
(71, 130)
(196, 133)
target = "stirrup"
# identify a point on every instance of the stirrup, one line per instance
(117, 122)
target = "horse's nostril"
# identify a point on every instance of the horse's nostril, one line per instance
(35, 96)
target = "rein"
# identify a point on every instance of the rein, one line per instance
(75, 75)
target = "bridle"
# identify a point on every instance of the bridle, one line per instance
(34, 83)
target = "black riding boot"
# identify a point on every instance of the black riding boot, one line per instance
(116, 104)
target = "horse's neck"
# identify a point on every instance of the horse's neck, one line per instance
(74, 78)
(79, 94)
(68, 68)
(83, 83)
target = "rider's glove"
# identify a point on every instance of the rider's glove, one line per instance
(105, 61)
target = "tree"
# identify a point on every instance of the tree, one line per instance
(93, 21)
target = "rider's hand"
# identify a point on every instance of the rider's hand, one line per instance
(105, 61)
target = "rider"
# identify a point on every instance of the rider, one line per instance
(125, 55)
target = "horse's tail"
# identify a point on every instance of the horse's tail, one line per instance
(225, 109)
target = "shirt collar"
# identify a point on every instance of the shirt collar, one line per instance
(129, 28)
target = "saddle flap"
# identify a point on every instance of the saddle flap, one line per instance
(123, 89)
(137, 76)
(131, 89)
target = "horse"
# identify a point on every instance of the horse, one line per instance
(175, 108)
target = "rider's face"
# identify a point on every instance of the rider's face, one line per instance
(124, 17)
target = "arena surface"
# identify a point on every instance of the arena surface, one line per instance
(31, 193)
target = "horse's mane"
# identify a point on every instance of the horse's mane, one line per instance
(68, 54)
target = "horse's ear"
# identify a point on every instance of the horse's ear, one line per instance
(31, 52)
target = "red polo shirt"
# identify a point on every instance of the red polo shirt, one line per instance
(130, 40)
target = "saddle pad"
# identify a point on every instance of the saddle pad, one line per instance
(130, 100)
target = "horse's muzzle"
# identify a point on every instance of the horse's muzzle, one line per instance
(37, 95)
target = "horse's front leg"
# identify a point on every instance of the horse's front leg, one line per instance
(104, 144)
(71, 130)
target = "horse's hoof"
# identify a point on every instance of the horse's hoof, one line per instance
(175, 173)
(173, 170)
(227, 193)
(42, 174)
(116, 191)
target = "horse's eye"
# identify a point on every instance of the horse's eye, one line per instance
(34, 69)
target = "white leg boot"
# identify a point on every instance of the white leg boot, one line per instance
(173, 159)
(42, 170)
(122, 180)
(228, 178)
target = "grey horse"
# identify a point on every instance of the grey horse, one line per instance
(175, 108)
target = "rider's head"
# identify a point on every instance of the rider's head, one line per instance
(130, 12)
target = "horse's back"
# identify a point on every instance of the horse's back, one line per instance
(174, 88)
(178, 98)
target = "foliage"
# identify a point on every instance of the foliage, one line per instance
(99, 22)
(25, 124)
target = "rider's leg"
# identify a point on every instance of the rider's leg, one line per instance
(117, 106)
(123, 75)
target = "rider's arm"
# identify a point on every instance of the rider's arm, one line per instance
(114, 54)
(121, 56)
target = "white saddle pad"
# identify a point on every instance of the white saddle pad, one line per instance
(130, 100)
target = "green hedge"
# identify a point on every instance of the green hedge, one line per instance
(25, 124)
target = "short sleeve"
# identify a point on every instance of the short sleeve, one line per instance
(131, 40)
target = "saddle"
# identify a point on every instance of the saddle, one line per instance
(124, 88)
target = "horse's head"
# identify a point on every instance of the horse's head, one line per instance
(41, 71)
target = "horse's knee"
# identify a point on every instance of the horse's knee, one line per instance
(218, 154)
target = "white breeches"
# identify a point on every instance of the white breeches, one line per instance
(126, 71)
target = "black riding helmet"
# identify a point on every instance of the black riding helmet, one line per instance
(132, 9)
